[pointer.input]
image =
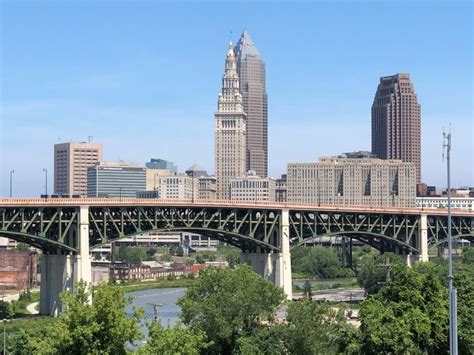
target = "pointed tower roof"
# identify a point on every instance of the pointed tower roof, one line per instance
(245, 46)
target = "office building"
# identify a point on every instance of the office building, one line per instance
(207, 187)
(230, 129)
(251, 187)
(161, 164)
(281, 189)
(108, 179)
(396, 121)
(152, 176)
(71, 161)
(345, 181)
(251, 71)
(180, 186)
(196, 170)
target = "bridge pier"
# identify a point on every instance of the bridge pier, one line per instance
(275, 267)
(61, 272)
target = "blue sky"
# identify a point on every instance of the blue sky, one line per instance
(142, 77)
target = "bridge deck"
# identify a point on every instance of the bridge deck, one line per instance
(118, 202)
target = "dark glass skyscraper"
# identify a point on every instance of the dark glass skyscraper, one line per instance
(396, 121)
(251, 70)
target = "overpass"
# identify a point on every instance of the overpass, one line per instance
(65, 229)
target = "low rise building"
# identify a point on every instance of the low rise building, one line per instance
(281, 189)
(252, 188)
(463, 203)
(108, 179)
(347, 181)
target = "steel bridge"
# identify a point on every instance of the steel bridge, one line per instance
(65, 229)
(51, 224)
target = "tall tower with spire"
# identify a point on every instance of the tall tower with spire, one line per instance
(230, 129)
(251, 70)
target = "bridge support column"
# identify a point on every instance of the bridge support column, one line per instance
(275, 267)
(423, 238)
(61, 272)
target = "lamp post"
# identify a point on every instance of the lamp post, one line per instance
(11, 182)
(453, 327)
(45, 181)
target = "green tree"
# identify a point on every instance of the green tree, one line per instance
(100, 327)
(132, 255)
(464, 284)
(321, 262)
(468, 256)
(317, 329)
(175, 340)
(373, 271)
(408, 315)
(22, 247)
(6, 310)
(307, 289)
(227, 304)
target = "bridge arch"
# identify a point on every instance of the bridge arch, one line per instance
(468, 236)
(43, 243)
(359, 235)
(244, 242)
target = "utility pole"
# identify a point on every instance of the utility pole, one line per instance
(453, 322)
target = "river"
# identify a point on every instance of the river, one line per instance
(167, 310)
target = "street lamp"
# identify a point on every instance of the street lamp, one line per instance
(11, 182)
(45, 181)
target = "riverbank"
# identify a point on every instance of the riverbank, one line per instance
(146, 285)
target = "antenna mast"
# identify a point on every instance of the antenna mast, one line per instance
(453, 321)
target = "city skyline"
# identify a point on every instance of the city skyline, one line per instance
(128, 92)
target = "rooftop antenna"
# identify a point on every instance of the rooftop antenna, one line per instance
(59, 139)
(453, 322)
(89, 138)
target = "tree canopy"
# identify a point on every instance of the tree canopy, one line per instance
(227, 304)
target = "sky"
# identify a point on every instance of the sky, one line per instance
(143, 77)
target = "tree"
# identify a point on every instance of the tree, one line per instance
(171, 341)
(6, 310)
(227, 304)
(22, 247)
(317, 329)
(408, 315)
(132, 255)
(307, 289)
(468, 256)
(321, 262)
(374, 271)
(100, 327)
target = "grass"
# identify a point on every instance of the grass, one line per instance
(145, 285)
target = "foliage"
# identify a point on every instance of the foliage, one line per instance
(171, 341)
(264, 340)
(176, 251)
(320, 262)
(6, 310)
(307, 289)
(373, 271)
(227, 304)
(408, 315)
(231, 254)
(464, 284)
(133, 255)
(317, 329)
(22, 247)
(151, 252)
(468, 256)
(100, 327)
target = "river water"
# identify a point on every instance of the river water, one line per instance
(165, 298)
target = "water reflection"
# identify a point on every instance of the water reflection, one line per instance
(165, 299)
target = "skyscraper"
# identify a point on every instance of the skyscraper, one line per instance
(396, 121)
(230, 129)
(251, 71)
(71, 161)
